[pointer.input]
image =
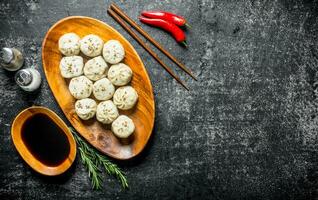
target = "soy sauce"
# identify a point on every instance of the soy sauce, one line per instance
(45, 140)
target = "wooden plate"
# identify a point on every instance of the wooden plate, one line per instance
(94, 132)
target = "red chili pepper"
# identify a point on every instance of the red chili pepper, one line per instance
(176, 32)
(167, 16)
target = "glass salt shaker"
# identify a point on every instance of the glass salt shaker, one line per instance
(28, 79)
(11, 59)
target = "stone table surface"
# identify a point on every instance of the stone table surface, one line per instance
(246, 130)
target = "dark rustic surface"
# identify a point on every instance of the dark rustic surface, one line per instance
(246, 130)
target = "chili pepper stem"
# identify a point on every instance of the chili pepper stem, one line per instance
(184, 43)
(188, 25)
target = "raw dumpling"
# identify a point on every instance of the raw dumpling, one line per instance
(103, 89)
(85, 108)
(113, 52)
(91, 45)
(125, 97)
(123, 126)
(119, 74)
(69, 44)
(80, 87)
(95, 68)
(71, 66)
(106, 112)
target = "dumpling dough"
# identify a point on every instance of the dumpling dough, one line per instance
(95, 68)
(103, 89)
(71, 66)
(125, 97)
(91, 45)
(85, 108)
(123, 126)
(69, 44)
(80, 87)
(106, 112)
(113, 51)
(119, 74)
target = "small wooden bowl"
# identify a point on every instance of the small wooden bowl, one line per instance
(16, 133)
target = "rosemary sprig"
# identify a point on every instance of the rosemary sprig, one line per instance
(92, 160)
(112, 169)
(88, 161)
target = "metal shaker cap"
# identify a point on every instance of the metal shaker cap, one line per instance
(6, 55)
(23, 77)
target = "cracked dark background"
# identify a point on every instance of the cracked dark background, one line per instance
(246, 130)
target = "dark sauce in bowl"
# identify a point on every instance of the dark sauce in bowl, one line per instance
(45, 140)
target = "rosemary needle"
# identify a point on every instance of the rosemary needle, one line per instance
(92, 160)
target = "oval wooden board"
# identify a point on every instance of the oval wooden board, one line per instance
(94, 132)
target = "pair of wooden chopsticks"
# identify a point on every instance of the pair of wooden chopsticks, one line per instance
(115, 12)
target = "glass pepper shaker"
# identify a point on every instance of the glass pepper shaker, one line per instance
(11, 59)
(28, 79)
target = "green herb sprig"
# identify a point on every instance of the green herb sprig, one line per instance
(93, 161)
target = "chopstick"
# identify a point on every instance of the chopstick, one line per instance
(139, 40)
(123, 15)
